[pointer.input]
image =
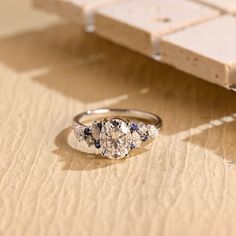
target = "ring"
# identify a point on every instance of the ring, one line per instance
(115, 132)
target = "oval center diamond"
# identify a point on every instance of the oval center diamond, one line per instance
(115, 139)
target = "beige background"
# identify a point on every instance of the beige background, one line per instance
(183, 184)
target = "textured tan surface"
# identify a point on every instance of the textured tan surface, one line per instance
(207, 50)
(228, 6)
(184, 184)
(139, 24)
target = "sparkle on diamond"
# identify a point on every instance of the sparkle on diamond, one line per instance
(115, 139)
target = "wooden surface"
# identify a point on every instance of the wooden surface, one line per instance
(206, 50)
(183, 184)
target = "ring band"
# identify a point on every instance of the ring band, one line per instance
(116, 132)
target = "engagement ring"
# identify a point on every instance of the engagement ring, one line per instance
(115, 132)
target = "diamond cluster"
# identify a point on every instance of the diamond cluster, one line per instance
(115, 137)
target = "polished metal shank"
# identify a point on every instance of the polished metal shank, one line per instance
(113, 112)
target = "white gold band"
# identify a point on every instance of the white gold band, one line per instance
(124, 113)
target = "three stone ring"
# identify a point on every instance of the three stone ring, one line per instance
(115, 132)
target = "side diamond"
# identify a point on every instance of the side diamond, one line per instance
(136, 140)
(143, 131)
(152, 131)
(79, 133)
